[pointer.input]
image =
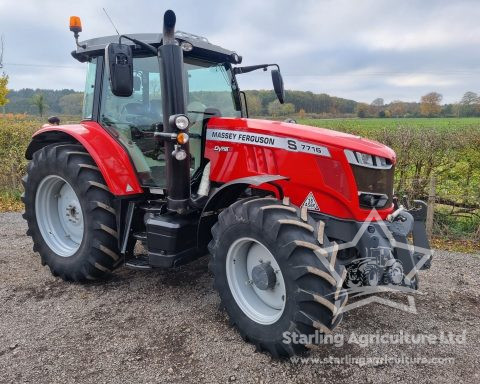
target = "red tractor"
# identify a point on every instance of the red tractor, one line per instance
(166, 155)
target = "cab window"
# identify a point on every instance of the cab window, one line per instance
(87, 110)
(135, 119)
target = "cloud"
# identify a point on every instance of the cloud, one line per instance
(354, 49)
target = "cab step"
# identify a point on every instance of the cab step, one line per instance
(140, 262)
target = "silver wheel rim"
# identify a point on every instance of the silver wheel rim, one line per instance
(262, 306)
(59, 215)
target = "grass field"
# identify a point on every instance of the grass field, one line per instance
(376, 124)
(447, 149)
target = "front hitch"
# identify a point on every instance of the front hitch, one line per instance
(419, 234)
(412, 221)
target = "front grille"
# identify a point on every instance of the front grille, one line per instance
(374, 181)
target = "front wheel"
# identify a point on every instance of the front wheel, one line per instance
(277, 275)
(69, 213)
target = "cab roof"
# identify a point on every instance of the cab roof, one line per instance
(201, 46)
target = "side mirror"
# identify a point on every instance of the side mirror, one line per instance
(119, 60)
(277, 81)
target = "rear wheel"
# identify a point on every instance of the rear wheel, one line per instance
(70, 214)
(277, 274)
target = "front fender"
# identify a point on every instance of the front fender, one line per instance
(226, 195)
(110, 156)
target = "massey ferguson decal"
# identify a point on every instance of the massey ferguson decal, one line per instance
(286, 143)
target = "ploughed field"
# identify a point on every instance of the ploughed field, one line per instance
(165, 326)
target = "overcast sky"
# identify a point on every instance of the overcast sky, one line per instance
(349, 48)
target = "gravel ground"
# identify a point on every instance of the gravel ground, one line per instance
(165, 326)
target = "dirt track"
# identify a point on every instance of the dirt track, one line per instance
(165, 326)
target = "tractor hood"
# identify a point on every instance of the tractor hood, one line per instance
(314, 135)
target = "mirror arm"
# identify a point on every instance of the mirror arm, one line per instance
(250, 68)
(149, 47)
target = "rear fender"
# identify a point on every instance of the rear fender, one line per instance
(109, 155)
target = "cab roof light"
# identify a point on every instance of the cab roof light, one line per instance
(75, 24)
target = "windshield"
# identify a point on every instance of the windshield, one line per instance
(210, 86)
(134, 119)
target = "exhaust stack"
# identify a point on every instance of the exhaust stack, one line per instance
(170, 57)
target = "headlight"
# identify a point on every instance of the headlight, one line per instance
(367, 160)
(180, 155)
(364, 158)
(186, 46)
(182, 122)
(179, 121)
(370, 200)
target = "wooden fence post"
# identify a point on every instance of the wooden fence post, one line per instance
(430, 207)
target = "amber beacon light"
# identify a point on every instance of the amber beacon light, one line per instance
(76, 28)
(75, 24)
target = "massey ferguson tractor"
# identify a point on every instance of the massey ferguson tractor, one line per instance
(166, 155)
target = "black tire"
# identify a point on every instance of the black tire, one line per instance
(98, 252)
(371, 276)
(314, 297)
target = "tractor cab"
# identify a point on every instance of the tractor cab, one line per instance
(211, 90)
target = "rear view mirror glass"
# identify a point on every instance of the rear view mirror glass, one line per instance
(277, 81)
(119, 60)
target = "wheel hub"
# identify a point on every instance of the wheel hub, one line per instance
(263, 276)
(59, 215)
(72, 214)
(255, 280)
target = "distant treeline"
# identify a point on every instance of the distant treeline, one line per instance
(64, 101)
(302, 104)
(260, 103)
(265, 103)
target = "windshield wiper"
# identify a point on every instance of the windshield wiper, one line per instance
(141, 43)
(203, 113)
